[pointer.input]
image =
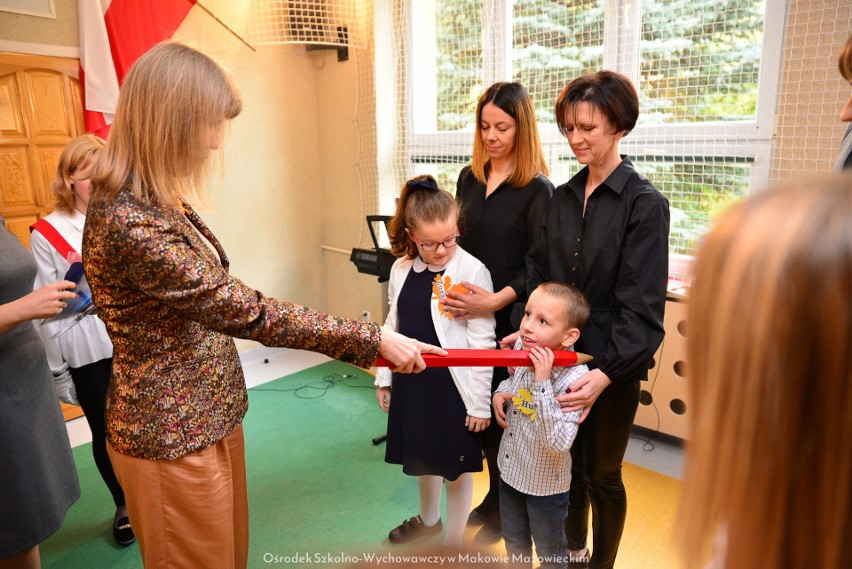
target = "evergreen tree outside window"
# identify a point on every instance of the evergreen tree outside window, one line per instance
(706, 71)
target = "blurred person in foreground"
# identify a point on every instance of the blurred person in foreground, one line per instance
(768, 473)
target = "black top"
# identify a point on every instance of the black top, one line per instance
(499, 230)
(426, 432)
(617, 254)
(415, 308)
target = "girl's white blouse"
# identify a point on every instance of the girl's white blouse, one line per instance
(473, 383)
(87, 342)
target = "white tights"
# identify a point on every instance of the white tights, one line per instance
(459, 501)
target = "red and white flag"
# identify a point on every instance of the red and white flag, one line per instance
(113, 34)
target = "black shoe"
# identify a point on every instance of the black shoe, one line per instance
(478, 516)
(122, 532)
(580, 560)
(490, 532)
(413, 529)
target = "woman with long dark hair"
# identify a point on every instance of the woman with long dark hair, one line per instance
(502, 194)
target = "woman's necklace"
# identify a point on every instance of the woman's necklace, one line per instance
(179, 203)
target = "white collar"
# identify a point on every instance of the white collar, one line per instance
(77, 219)
(419, 265)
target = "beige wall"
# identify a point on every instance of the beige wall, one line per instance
(344, 118)
(295, 156)
(61, 31)
(288, 183)
(286, 180)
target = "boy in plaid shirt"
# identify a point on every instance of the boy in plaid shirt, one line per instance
(535, 450)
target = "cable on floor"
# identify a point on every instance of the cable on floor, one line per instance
(317, 389)
(647, 443)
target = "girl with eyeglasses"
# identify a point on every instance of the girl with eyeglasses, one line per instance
(434, 422)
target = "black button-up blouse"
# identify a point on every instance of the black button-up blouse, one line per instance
(499, 230)
(616, 252)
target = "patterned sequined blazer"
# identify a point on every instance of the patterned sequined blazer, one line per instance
(171, 310)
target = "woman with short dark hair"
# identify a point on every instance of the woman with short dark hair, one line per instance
(606, 232)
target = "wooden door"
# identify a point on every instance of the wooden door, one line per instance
(40, 112)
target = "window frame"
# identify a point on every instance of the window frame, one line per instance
(749, 140)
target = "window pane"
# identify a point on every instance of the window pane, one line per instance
(446, 171)
(554, 42)
(700, 60)
(698, 190)
(459, 61)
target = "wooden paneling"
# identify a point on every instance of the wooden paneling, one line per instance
(48, 103)
(11, 118)
(47, 158)
(77, 103)
(40, 112)
(19, 226)
(16, 183)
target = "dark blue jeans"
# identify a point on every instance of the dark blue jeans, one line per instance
(527, 519)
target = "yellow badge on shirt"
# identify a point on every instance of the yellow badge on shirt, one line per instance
(523, 402)
(440, 287)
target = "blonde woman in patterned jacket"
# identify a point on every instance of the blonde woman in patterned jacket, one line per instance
(435, 423)
(160, 280)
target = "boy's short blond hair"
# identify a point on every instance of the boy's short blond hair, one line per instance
(576, 304)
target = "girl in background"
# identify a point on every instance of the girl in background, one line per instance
(83, 354)
(502, 196)
(435, 421)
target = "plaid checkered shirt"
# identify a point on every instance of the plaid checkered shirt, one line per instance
(535, 450)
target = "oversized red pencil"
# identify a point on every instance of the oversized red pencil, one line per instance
(494, 358)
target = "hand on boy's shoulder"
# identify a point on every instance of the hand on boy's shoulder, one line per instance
(584, 392)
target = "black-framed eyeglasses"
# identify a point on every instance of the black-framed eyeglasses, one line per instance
(430, 246)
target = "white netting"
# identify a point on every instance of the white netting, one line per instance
(812, 91)
(321, 22)
(709, 74)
